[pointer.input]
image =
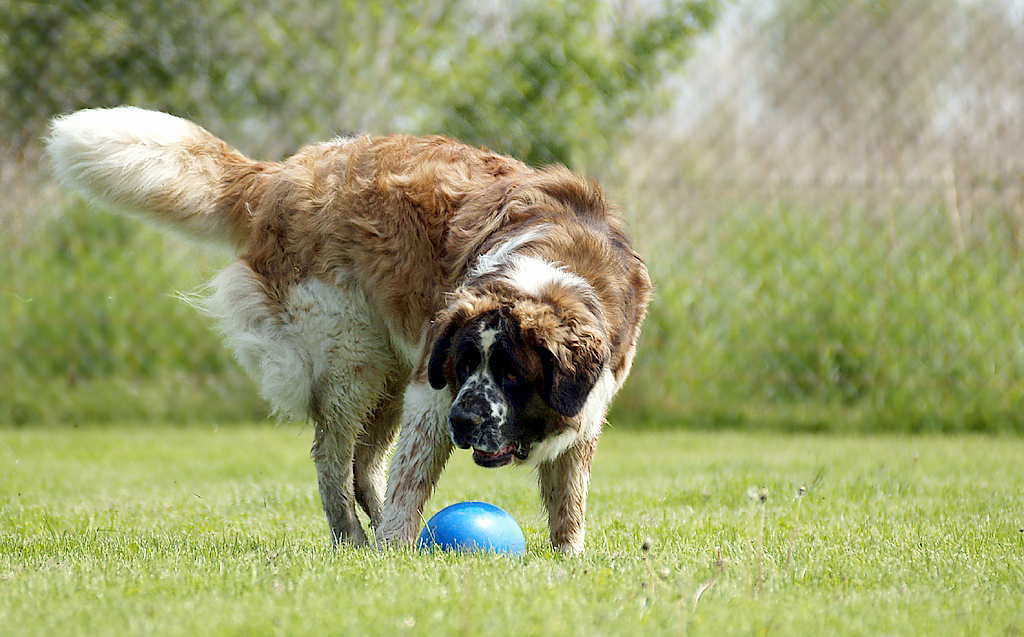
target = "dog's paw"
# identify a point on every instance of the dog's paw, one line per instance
(569, 549)
(394, 533)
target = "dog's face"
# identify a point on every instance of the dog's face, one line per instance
(509, 395)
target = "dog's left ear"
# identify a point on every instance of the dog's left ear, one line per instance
(566, 390)
(440, 354)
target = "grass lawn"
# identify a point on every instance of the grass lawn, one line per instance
(206, 530)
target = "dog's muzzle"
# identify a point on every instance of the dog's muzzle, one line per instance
(472, 430)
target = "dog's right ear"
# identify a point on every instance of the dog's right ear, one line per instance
(440, 355)
(566, 392)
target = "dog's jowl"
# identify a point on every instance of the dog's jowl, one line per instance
(396, 286)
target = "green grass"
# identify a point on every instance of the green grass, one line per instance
(217, 530)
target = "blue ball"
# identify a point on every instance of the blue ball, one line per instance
(473, 526)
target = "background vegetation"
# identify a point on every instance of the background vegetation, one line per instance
(834, 229)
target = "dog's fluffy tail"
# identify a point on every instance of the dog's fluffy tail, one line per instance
(166, 169)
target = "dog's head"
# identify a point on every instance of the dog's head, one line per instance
(520, 372)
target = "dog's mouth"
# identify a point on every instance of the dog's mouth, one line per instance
(501, 457)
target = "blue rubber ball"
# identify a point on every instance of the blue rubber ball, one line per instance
(473, 526)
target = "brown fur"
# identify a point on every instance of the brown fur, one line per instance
(409, 214)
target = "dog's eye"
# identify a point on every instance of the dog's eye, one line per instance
(506, 371)
(466, 365)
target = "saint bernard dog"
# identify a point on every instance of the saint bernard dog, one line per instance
(396, 285)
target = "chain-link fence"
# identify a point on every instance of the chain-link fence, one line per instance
(860, 102)
(828, 193)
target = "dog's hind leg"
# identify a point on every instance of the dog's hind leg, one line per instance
(347, 357)
(340, 414)
(332, 453)
(370, 466)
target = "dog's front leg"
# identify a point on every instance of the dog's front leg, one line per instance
(424, 446)
(563, 485)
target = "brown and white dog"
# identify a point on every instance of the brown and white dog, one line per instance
(396, 283)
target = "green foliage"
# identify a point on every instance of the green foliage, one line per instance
(56, 56)
(788, 317)
(775, 316)
(559, 86)
(200, 530)
(769, 315)
(94, 331)
(571, 76)
(823, 11)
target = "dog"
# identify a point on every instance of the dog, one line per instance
(396, 286)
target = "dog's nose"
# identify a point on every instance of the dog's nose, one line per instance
(463, 421)
(461, 417)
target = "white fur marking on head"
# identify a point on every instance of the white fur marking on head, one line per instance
(532, 275)
(492, 260)
(482, 380)
(487, 337)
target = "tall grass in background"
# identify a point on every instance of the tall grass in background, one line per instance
(800, 317)
(95, 334)
(766, 316)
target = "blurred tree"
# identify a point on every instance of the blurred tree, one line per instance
(546, 82)
(562, 84)
(76, 53)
